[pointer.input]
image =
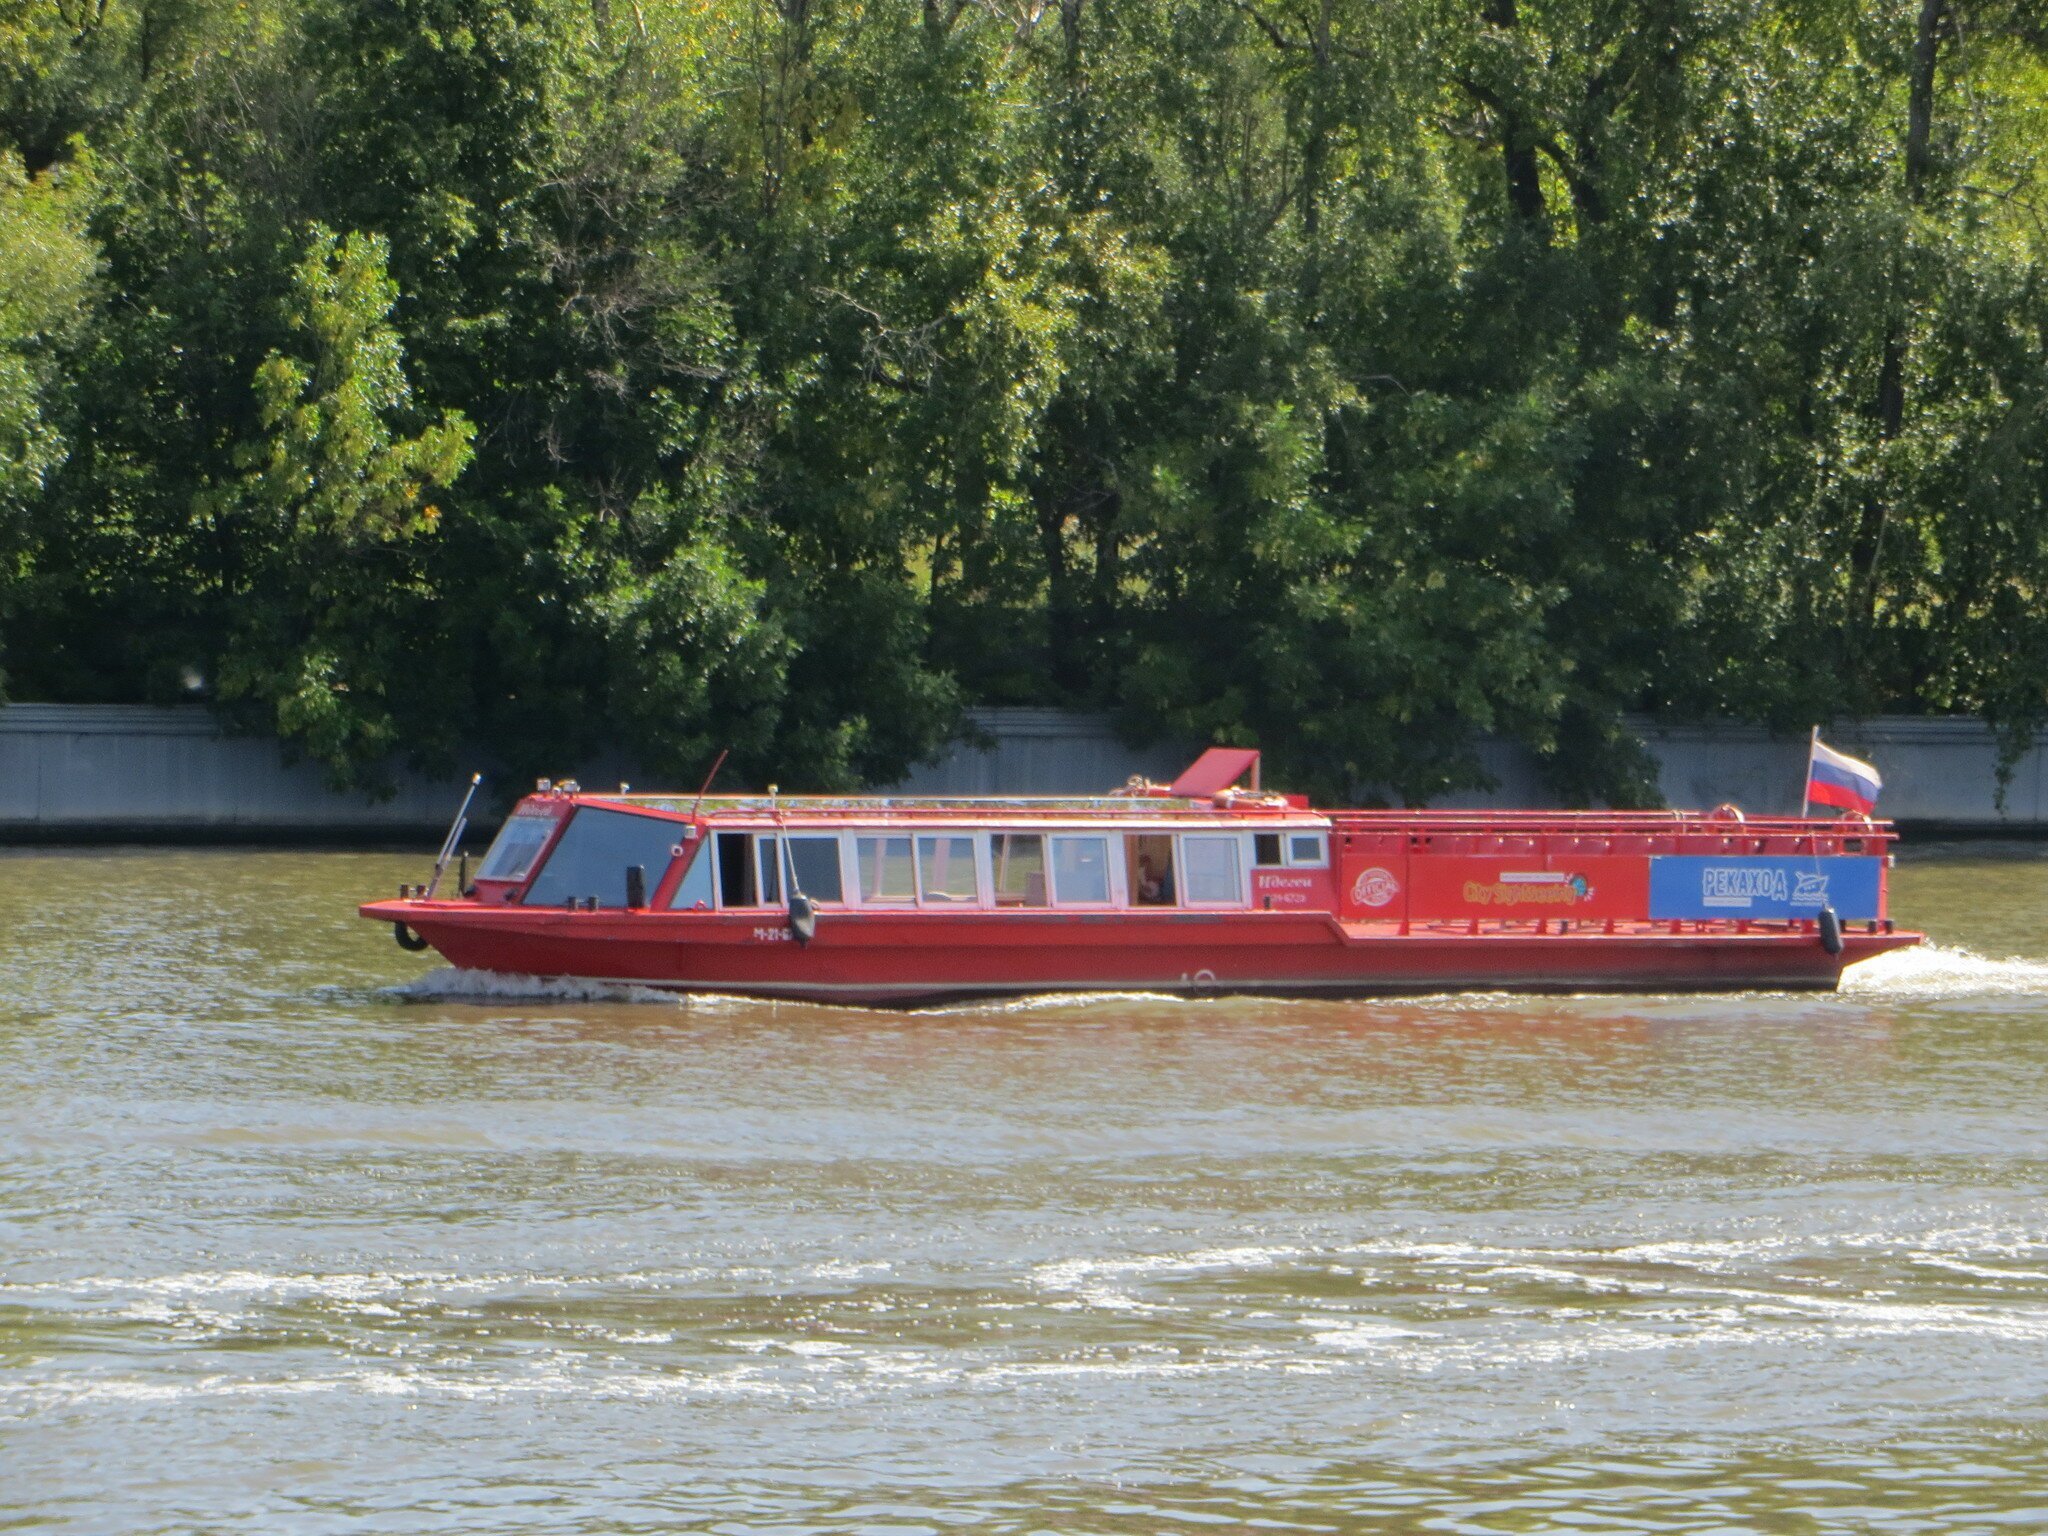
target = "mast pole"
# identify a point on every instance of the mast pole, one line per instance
(1806, 782)
(698, 803)
(455, 829)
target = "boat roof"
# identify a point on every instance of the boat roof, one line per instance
(928, 807)
(1201, 790)
(1204, 793)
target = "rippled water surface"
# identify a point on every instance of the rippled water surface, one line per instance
(297, 1236)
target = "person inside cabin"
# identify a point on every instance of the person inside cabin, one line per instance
(1148, 860)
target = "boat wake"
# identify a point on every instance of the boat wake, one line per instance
(1928, 972)
(452, 984)
(1936, 971)
(1040, 1002)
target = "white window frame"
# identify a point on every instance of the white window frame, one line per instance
(1112, 869)
(717, 852)
(1242, 842)
(985, 864)
(1120, 862)
(849, 859)
(839, 849)
(1321, 861)
(978, 850)
(778, 836)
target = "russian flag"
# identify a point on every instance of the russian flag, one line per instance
(1837, 779)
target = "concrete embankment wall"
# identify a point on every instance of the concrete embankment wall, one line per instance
(136, 771)
(80, 772)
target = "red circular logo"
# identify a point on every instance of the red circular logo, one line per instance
(1374, 887)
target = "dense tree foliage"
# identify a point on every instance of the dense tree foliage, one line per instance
(1341, 376)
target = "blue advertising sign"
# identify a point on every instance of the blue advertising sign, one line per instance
(1698, 886)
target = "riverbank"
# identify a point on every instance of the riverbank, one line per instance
(74, 773)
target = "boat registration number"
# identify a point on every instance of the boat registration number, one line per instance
(771, 935)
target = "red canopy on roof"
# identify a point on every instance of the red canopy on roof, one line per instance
(1217, 768)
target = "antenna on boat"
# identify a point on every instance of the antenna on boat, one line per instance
(720, 763)
(455, 830)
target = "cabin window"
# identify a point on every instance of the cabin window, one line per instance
(694, 890)
(1080, 871)
(1017, 865)
(1148, 863)
(593, 854)
(886, 873)
(815, 862)
(737, 882)
(1266, 850)
(519, 843)
(1210, 862)
(768, 855)
(945, 869)
(1305, 848)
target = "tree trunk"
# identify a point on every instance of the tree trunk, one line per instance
(1888, 405)
(1934, 24)
(1062, 616)
(1314, 159)
(1517, 142)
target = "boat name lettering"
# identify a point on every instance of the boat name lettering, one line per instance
(1723, 885)
(1279, 882)
(1737, 885)
(1516, 888)
(1709, 886)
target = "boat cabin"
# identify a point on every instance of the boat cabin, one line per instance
(1200, 844)
(1196, 844)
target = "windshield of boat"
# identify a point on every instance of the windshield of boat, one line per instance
(594, 853)
(519, 843)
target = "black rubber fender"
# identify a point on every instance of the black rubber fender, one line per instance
(1830, 931)
(803, 918)
(408, 941)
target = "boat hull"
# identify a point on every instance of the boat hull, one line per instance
(913, 958)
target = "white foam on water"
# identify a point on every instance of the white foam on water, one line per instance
(1937, 971)
(455, 984)
(251, 1289)
(846, 1269)
(1977, 1271)
(1040, 1002)
(260, 1285)
(556, 1379)
(1079, 1273)
(1360, 1333)
(1926, 972)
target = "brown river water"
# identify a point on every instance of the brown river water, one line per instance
(301, 1234)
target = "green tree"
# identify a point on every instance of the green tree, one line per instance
(330, 503)
(47, 274)
(1348, 378)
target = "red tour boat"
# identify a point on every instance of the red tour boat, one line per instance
(1196, 887)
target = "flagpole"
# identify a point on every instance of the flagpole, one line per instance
(1806, 794)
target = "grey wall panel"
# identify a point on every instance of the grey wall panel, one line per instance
(130, 769)
(137, 771)
(1042, 751)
